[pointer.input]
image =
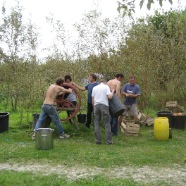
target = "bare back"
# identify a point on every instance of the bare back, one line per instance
(52, 92)
(115, 85)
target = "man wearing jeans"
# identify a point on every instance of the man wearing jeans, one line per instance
(115, 84)
(49, 110)
(100, 95)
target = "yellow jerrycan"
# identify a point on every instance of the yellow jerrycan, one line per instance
(161, 128)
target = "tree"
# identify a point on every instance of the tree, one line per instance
(18, 53)
(155, 53)
(128, 6)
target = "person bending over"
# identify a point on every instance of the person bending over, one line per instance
(49, 110)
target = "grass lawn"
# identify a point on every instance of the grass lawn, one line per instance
(80, 152)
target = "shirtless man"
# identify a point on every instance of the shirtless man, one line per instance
(48, 108)
(115, 84)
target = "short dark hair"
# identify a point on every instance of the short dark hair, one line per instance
(119, 75)
(59, 81)
(93, 76)
(68, 77)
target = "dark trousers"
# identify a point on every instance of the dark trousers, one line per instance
(89, 114)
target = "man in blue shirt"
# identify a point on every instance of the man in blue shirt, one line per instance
(131, 91)
(89, 87)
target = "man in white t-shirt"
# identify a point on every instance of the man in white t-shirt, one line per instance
(100, 95)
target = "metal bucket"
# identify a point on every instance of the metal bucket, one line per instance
(44, 138)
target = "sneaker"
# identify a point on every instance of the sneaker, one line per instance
(63, 136)
(33, 136)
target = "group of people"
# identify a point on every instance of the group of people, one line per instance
(99, 95)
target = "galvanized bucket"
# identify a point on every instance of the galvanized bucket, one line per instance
(44, 138)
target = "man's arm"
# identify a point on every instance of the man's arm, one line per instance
(64, 90)
(110, 95)
(130, 95)
(79, 87)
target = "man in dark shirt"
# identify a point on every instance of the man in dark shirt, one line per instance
(89, 87)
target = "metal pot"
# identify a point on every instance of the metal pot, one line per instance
(44, 138)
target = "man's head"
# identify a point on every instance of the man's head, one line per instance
(68, 79)
(102, 80)
(132, 80)
(59, 81)
(92, 78)
(119, 76)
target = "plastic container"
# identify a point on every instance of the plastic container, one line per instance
(44, 138)
(81, 118)
(45, 124)
(161, 128)
(167, 114)
(116, 108)
(179, 122)
(4, 121)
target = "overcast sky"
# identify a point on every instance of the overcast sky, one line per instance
(71, 11)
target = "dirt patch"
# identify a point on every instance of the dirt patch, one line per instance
(175, 175)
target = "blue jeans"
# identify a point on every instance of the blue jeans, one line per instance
(114, 125)
(49, 110)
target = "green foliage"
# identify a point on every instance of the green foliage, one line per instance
(128, 6)
(153, 49)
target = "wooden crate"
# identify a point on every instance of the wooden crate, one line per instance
(130, 128)
(174, 107)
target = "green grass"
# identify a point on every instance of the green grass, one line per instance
(53, 180)
(80, 150)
